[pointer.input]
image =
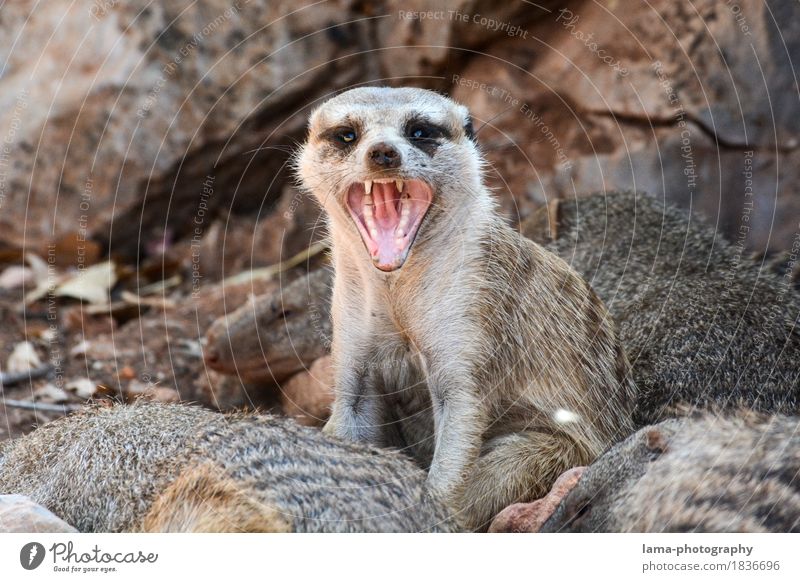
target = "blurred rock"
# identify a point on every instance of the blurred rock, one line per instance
(167, 115)
(19, 514)
(151, 124)
(529, 517)
(235, 243)
(697, 104)
(277, 334)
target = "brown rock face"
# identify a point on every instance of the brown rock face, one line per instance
(164, 118)
(159, 118)
(695, 104)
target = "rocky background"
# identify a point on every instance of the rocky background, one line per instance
(145, 188)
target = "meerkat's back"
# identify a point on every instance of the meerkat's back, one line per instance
(701, 324)
(179, 468)
(733, 473)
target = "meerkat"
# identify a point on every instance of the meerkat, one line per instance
(160, 467)
(456, 339)
(702, 325)
(739, 472)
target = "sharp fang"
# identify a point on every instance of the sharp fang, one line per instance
(399, 184)
(368, 186)
(367, 200)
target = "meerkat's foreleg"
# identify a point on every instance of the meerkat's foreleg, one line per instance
(459, 423)
(358, 412)
(515, 468)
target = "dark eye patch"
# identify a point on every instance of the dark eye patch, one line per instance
(342, 137)
(425, 135)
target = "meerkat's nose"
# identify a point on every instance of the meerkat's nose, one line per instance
(383, 156)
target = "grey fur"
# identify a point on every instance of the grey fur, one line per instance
(701, 324)
(735, 473)
(108, 469)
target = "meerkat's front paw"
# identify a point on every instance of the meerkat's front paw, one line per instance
(443, 488)
(330, 428)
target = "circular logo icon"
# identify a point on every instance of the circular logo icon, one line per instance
(31, 555)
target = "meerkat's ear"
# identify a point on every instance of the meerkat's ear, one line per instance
(469, 131)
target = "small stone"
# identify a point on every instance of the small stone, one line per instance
(82, 388)
(19, 514)
(529, 517)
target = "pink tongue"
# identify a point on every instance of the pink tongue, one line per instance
(387, 217)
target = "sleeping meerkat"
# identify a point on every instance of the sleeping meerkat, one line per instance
(476, 351)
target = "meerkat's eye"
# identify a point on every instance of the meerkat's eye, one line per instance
(425, 135)
(346, 136)
(419, 132)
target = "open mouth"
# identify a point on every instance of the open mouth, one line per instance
(388, 213)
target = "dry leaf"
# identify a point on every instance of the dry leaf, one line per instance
(15, 276)
(92, 284)
(82, 388)
(80, 349)
(39, 267)
(72, 250)
(51, 393)
(41, 275)
(23, 358)
(162, 394)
